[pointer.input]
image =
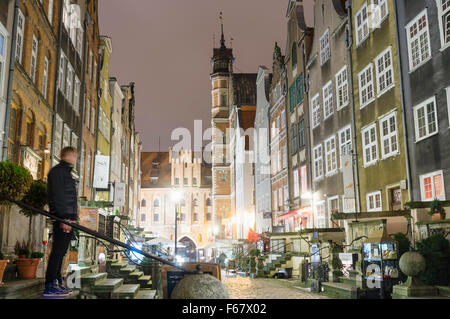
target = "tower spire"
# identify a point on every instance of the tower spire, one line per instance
(222, 39)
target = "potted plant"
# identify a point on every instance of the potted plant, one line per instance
(21, 249)
(437, 211)
(73, 249)
(35, 197)
(3, 263)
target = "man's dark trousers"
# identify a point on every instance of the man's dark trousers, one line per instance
(60, 244)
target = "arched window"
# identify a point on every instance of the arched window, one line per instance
(195, 202)
(208, 202)
(294, 55)
(143, 203)
(142, 217)
(156, 203)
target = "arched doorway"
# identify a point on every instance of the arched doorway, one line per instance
(189, 249)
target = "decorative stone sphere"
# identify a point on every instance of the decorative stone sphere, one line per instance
(201, 286)
(412, 263)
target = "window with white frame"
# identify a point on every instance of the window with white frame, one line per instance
(280, 197)
(61, 76)
(321, 216)
(76, 95)
(318, 162)
(432, 186)
(384, 71)
(50, 12)
(425, 119)
(284, 151)
(327, 91)
(45, 78)
(90, 65)
(374, 203)
(379, 12)
(34, 56)
(444, 21)
(341, 88)
(345, 141)
(362, 24)
(330, 155)
(275, 204)
(366, 91)
(303, 179)
(296, 184)
(325, 52)
(88, 114)
(93, 114)
(20, 35)
(283, 119)
(370, 147)
(418, 36)
(3, 41)
(69, 83)
(333, 205)
(388, 135)
(315, 105)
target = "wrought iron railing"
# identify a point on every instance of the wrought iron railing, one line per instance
(93, 233)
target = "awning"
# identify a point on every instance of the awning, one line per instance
(294, 213)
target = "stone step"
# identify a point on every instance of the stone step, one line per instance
(127, 270)
(118, 265)
(82, 270)
(145, 281)
(444, 291)
(146, 294)
(348, 280)
(92, 279)
(136, 274)
(108, 285)
(22, 289)
(341, 289)
(128, 291)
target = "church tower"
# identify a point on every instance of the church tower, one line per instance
(221, 81)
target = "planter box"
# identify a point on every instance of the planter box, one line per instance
(73, 256)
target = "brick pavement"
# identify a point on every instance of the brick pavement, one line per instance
(262, 288)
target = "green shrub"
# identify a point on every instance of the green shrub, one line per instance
(36, 196)
(404, 243)
(436, 251)
(15, 181)
(254, 253)
(436, 207)
(37, 254)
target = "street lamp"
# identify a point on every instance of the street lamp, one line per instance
(176, 196)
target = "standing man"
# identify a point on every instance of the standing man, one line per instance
(62, 199)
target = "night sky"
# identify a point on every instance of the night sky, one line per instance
(165, 47)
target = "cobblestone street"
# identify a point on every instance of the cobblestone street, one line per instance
(261, 288)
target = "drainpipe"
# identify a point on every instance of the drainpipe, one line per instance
(348, 5)
(83, 88)
(410, 229)
(55, 100)
(12, 60)
(308, 128)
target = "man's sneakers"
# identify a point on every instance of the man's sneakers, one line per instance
(54, 290)
(61, 286)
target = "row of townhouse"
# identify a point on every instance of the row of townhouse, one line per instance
(56, 91)
(359, 113)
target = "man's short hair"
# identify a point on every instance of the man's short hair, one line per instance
(67, 150)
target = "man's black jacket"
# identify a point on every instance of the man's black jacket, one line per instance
(62, 192)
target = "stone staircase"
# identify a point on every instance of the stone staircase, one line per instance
(121, 281)
(345, 288)
(272, 267)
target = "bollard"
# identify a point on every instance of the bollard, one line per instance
(200, 286)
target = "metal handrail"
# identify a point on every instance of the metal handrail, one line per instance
(92, 233)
